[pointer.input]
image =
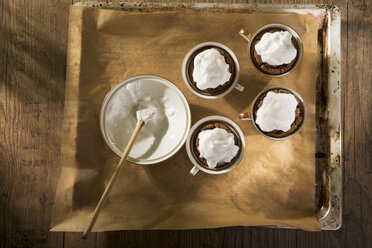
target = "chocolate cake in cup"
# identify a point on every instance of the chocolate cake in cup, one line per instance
(215, 145)
(275, 49)
(211, 70)
(277, 113)
(209, 133)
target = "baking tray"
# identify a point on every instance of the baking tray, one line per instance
(328, 98)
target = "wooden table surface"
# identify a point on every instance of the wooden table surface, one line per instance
(33, 45)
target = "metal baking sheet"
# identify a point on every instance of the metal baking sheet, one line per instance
(328, 107)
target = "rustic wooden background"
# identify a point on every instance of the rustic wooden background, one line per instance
(33, 44)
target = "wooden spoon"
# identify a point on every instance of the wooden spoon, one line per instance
(122, 161)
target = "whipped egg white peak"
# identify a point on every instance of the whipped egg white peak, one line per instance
(217, 146)
(276, 48)
(210, 69)
(278, 112)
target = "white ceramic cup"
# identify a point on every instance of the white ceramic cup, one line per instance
(192, 136)
(192, 88)
(249, 38)
(250, 115)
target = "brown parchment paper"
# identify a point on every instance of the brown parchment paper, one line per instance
(273, 185)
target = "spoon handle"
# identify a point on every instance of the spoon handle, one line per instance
(113, 179)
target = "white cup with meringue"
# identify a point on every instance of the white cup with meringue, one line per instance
(275, 49)
(215, 145)
(277, 113)
(211, 70)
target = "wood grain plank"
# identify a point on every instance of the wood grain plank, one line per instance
(4, 197)
(358, 126)
(243, 237)
(112, 239)
(158, 238)
(273, 237)
(204, 238)
(31, 101)
(222, 237)
(73, 240)
(320, 239)
(55, 240)
(366, 108)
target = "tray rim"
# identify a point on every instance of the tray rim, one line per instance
(329, 18)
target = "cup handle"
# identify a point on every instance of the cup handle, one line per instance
(245, 116)
(239, 87)
(194, 170)
(245, 35)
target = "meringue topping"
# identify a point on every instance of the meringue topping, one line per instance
(217, 146)
(276, 48)
(210, 69)
(278, 112)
